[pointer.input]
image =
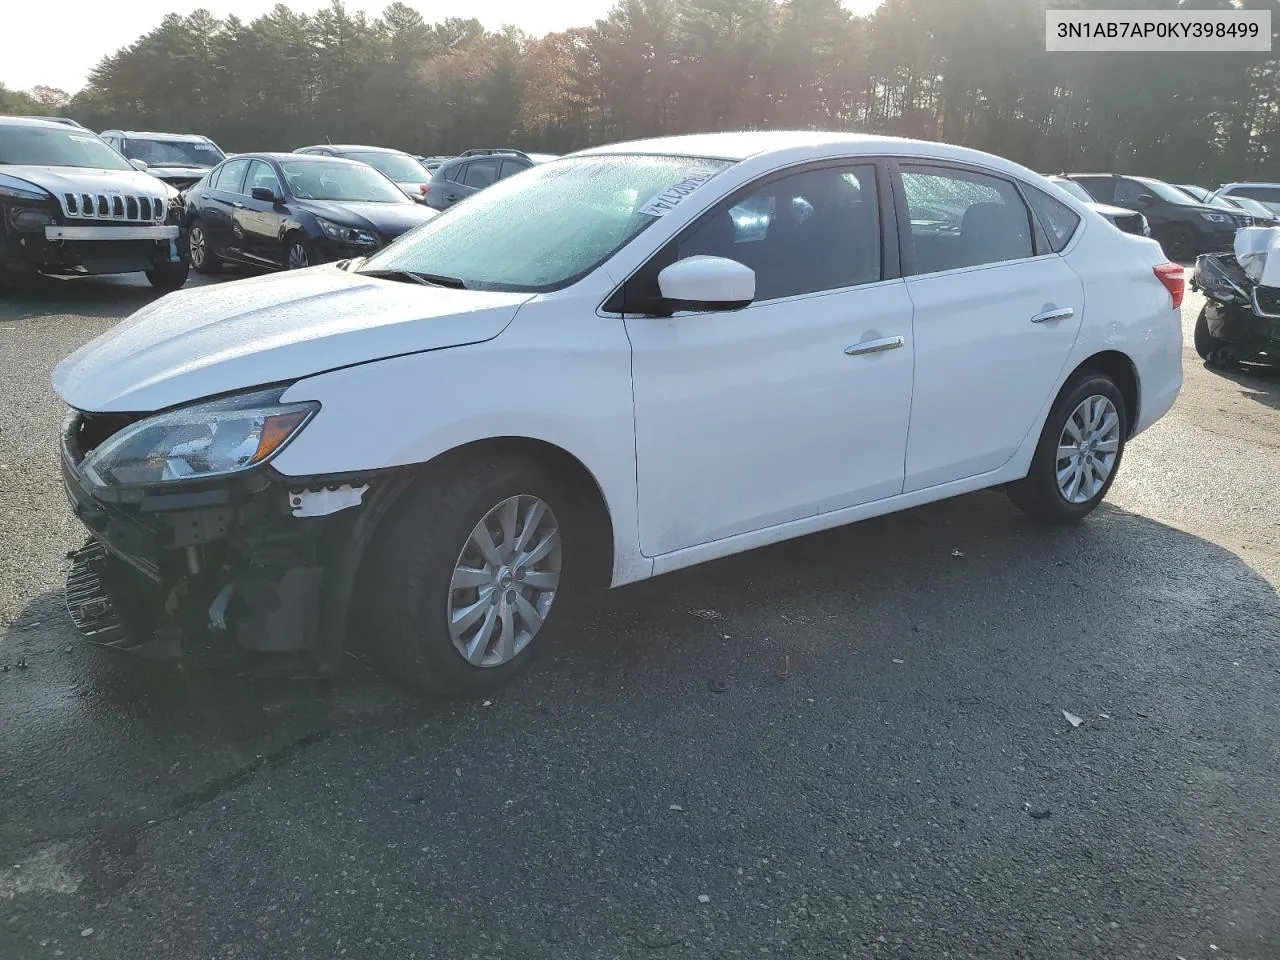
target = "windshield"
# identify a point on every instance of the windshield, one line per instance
(1166, 192)
(1255, 207)
(339, 180)
(398, 166)
(551, 225)
(1073, 188)
(173, 153)
(57, 147)
(1269, 196)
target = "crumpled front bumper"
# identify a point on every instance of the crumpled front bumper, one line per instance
(228, 559)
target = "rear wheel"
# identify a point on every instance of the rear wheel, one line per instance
(199, 253)
(1079, 451)
(469, 570)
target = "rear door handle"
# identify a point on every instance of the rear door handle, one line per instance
(1050, 316)
(875, 346)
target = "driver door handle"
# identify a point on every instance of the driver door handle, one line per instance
(1050, 316)
(238, 205)
(875, 346)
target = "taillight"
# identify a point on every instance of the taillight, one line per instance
(1170, 274)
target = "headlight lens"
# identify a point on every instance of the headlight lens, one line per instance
(1218, 217)
(13, 191)
(29, 219)
(198, 442)
(344, 234)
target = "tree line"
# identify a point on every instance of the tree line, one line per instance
(971, 72)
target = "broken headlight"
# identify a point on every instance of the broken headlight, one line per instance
(198, 442)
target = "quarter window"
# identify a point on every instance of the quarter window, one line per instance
(801, 233)
(958, 218)
(1058, 220)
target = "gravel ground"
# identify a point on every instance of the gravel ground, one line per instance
(888, 773)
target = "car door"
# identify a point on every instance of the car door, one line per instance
(259, 223)
(217, 204)
(477, 175)
(996, 315)
(795, 405)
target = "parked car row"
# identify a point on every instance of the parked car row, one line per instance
(1186, 219)
(76, 202)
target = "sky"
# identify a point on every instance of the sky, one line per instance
(103, 26)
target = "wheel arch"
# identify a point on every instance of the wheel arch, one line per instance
(578, 477)
(1121, 369)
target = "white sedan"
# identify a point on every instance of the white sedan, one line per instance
(619, 363)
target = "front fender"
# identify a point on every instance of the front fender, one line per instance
(558, 374)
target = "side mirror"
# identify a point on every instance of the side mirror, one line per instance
(139, 165)
(707, 283)
(265, 194)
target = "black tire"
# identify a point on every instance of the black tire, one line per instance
(1179, 243)
(170, 277)
(300, 253)
(406, 580)
(199, 254)
(1209, 347)
(1037, 494)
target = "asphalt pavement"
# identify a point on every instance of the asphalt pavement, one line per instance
(850, 745)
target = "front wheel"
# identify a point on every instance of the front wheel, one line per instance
(468, 572)
(1211, 349)
(170, 277)
(1179, 243)
(300, 254)
(1078, 454)
(199, 253)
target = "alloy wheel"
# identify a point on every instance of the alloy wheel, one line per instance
(504, 581)
(298, 256)
(198, 246)
(1087, 449)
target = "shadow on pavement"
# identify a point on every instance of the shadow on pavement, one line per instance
(1258, 383)
(883, 700)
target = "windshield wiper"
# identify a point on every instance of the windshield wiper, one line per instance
(413, 276)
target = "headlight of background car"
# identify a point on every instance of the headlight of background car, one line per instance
(206, 440)
(1218, 217)
(14, 189)
(336, 231)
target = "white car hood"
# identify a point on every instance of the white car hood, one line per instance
(60, 180)
(204, 341)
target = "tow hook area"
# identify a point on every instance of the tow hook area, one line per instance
(326, 500)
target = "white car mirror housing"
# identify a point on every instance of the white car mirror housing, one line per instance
(707, 283)
(139, 165)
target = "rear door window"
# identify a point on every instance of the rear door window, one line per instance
(959, 218)
(230, 178)
(481, 173)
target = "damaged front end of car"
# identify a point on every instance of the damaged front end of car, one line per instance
(1242, 298)
(195, 538)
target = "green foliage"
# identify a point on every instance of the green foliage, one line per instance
(972, 72)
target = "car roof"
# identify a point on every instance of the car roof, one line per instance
(144, 134)
(1247, 183)
(39, 122)
(798, 145)
(353, 146)
(279, 156)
